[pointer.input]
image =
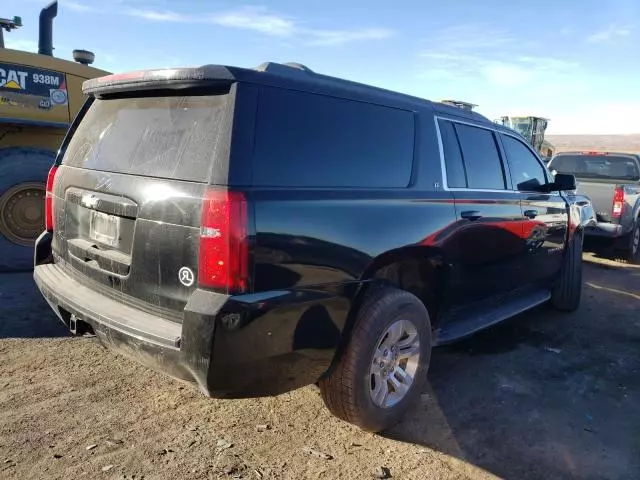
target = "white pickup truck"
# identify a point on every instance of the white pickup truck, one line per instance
(612, 181)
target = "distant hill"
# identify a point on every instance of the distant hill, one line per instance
(620, 143)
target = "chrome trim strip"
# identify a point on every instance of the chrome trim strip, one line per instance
(443, 166)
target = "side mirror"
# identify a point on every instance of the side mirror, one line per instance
(563, 181)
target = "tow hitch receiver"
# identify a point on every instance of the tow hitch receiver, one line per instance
(79, 327)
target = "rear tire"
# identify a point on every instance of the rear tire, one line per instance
(23, 174)
(568, 290)
(632, 255)
(353, 390)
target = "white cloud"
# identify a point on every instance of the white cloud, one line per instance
(484, 53)
(21, 44)
(566, 31)
(157, 16)
(257, 19)
(505, 74)
(260, 19)
(506, 71)
(460, 39)
(340, 37)
(608, 118)
(609, 34)
(77, 7)
(547, 63)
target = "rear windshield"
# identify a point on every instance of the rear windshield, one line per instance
(166, 137)
(597, 166)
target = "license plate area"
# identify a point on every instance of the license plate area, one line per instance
(104, 228)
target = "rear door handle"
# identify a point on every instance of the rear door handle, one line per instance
(531, 213)
(471, 215)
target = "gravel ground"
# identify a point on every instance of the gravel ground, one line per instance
(544, 395)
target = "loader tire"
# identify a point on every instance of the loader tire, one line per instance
(23, 174)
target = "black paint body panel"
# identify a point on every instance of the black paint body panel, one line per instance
(312, 251)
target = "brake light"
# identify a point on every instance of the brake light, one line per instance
(224, 251)
(48, 200)
(618, 202)
(595, 153)
(119, 77)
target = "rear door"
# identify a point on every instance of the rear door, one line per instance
(128, 194)
(545, 215)
(488, 238)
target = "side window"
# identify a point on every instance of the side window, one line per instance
(456, 176)
(309, 140)
(481, 157)
(526, 172)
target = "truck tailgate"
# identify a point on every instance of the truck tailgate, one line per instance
(601, 195)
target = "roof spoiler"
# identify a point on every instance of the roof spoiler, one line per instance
(168, 78)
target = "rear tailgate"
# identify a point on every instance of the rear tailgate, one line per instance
(128, 195)
(600, 194)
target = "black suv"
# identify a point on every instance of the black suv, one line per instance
(257, 230)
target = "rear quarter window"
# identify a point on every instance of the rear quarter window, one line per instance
(309, 140)
(168, 137)
(455, 173)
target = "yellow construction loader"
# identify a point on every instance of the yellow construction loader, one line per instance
(530, 127)
(39, 97)
(533, 130)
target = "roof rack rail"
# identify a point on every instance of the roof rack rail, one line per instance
(283, 68)
(460, 104)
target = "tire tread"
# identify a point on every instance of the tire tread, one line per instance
(627, 254)
(337, 388)
(19, 165)
(567, 292)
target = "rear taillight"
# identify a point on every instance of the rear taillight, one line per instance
(618, 202)
(224, 252)
(48, 200)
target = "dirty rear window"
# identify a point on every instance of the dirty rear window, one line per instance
(604, 167)
(167, 137)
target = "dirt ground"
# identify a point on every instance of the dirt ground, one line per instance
(544, 395)
(607, 143)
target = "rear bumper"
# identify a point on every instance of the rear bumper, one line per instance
(159, 343)
(604, 230)
(252, 345)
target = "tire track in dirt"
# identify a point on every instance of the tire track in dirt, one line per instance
(501, 402)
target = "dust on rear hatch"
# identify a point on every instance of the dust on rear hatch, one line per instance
(166, 136)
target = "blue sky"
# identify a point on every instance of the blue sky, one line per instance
(574, 61)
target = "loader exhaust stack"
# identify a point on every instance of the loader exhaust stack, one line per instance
(45, 40)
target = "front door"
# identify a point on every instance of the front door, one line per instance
(545, 215)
